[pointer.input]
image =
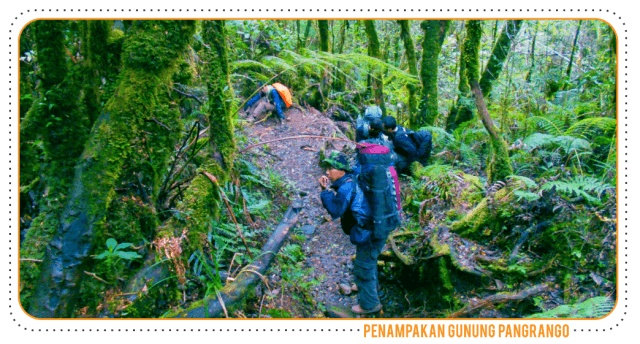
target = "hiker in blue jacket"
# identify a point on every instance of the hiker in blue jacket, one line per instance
(271, 95)
(345, 200)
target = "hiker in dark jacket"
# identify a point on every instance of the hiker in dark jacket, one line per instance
(345, 200)
(364, 125)
(272, 99)
(403, 145)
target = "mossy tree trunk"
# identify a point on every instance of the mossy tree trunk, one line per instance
(323, 27)
(374, 51)
(462, 110)
(410, 52)
(339, 83)
(500, 166)
(124, 127)
(55, 120)
(202, 198)
(220, 97)
(434, 34)
(95, 39)
(498, 56)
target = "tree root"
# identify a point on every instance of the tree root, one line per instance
(231, 294)
(406, 260)
(500, 298)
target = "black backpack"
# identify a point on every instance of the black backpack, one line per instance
(378, 180)
(423, 141)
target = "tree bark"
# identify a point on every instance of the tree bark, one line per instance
(434, 34)
(500, 166)
(532, 55)
(410, 52)
(150, 53)
(498, 56)
(573, 48)
(374, 51)
(235, 292)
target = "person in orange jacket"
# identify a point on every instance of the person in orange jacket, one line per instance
(276, 94)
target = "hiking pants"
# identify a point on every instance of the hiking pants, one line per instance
(365, 269)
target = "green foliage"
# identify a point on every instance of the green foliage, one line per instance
(114, 254)
(596, 307)
(588, 187)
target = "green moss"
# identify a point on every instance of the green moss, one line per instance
(445, 274)
(484, 219)
(434, 31)
(220, 97)
(471, 48)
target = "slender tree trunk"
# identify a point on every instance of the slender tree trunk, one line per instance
(573, 48)
(151, 50)
(307, 31)
(532, 54)
(410, 52)
(500, 166)
(498, 55)
(434, 34)
(374, 51)
(339, 83)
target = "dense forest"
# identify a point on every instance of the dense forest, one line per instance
(147, 190)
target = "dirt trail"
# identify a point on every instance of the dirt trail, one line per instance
(327, 249)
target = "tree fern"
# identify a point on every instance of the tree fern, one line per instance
(596, 307)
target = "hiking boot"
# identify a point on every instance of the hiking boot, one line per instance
(359, 310)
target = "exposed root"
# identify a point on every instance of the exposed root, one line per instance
(500, 298)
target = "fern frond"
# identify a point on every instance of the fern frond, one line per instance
(596, 307)
(585, 127)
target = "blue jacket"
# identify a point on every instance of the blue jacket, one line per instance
(275, 96)
(347, 203)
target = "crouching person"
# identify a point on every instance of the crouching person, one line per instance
(343, 198)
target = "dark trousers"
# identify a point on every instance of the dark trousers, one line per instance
(365, 269)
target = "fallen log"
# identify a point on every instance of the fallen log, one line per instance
(500, 298)
(231, 294)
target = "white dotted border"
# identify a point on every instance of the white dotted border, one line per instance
(622, 62)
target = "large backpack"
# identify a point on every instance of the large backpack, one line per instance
(423, 141)
(284, 92)
(379, 182)
(363, 123)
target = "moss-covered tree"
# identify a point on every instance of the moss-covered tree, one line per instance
(128, 122)
(434, 34)
(500, 166)
(374, 51)
(462, 110)
(498, 56)
(52, 136)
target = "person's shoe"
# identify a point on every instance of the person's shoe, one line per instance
(359, 310)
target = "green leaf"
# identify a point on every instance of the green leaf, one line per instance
(127, 255)
(111, 244)
(103, 255)
(123, 246)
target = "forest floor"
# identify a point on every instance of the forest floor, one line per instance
(326, 248)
